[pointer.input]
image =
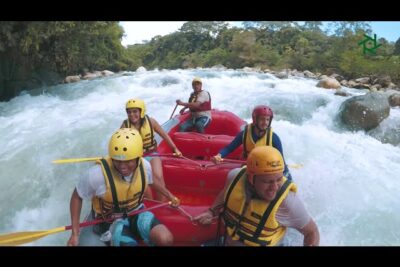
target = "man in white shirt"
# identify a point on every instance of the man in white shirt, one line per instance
(200, 106)
(116, 186)
(258, 203)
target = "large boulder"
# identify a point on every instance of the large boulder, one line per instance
(329, 83)
(365, 111)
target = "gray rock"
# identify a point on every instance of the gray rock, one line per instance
(309, 74)
(72, 79)
(351, 84)
(364, 112)
(361, 86)
(384, 81)
(337, 77)
(394, 100)
(329, 83)
(363, 80)
(282, 75)
(107, 73)
(341, 93)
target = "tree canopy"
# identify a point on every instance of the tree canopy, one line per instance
(69, 47)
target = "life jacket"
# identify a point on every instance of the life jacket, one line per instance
(205, 106)
(146, 132)
(254, 222)
(121, 196)
(248, 142)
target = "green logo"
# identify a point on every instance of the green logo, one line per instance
(369, 44)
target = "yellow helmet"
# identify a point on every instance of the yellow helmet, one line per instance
(137, 103)
(196, 80)
(264, 160)
(125, 144)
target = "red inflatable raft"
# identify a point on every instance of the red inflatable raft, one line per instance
(194, 179)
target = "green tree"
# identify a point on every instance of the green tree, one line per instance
(341, 27)
(63, 47)
(312, 26)
(267, 25)
(397, 47)
(200, 27)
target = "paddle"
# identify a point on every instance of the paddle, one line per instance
(62, 161)
(18, 238)
(293, 166)
(173, 111)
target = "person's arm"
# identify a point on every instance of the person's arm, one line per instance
(90, 184)
(192, 105)
(75, 209)
(236, 142)
(195, 106)
(292, 213)
(159, 187)
(311, 234)
(276, 142)
(164, 191)
(158, 129)
(207, 216)
(216, 208)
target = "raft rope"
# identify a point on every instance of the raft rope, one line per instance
(184, 212)
(202, 166)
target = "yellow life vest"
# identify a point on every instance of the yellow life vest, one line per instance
(248, 142)
(146, 132)
(254, 225)
(121, 196)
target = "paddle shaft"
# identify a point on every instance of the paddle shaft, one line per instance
(295, 166)
(19, 238)
(76, 160)
(173, 111)
(94, 222)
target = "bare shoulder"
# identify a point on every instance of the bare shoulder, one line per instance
(153, 121)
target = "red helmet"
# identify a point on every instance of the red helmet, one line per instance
(262, 110)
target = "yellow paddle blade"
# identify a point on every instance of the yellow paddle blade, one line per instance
(20, 238)
(61, 161)
(295, 166)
